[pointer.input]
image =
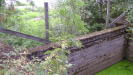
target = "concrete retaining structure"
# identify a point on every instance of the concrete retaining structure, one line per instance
(130, 50)
(100, 50)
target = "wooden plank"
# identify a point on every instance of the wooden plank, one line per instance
(6, 31)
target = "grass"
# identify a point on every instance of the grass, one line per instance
(122, 68)
(24, 21)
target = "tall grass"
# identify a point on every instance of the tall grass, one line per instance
(23, 21)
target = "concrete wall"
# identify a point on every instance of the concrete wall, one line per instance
(97, 57)
(130, 50)
(100, 50)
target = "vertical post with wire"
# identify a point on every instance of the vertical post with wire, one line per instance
(46, 21)
(108, 13)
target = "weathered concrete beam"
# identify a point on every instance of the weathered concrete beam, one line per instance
(3, 30)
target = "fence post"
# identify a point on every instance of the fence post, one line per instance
(46, 21)
(108, 14)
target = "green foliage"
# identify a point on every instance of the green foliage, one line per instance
(25, 22)
(130, 32)
(95, 13)
(20, 4)
(2, 2)
(130, 19)
(56, 62)
(130, 15)
(96, 27)
(68, 17)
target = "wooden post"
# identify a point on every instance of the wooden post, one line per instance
(108, 14)
(46, 21)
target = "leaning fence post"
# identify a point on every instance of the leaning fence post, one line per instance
(46, 21)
